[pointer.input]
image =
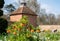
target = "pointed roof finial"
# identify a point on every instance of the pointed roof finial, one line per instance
(23, 2)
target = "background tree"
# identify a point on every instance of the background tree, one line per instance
(43, 16)
(3, 22)
(51, 19)
(1, 6)
(1, 3)
(3, 25)
(9, 8)
(33, 4)
(1, 12)
(47, 18)
(58, 19)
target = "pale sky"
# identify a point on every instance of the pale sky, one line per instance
(50, 5)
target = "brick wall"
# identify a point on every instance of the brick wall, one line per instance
(50, 27)
(32, 19)
(15, 18)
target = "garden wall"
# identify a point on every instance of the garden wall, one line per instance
(50, 27)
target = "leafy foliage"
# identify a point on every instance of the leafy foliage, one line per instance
(3, 25)
(1, 6)
(1, 3)
(3, 22)
(9, 8)
(1, 12)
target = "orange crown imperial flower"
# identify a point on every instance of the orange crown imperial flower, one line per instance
(22, 24)
(38, 30)
(19, 29)
(8, 31)
(14, 33)
(32, 30)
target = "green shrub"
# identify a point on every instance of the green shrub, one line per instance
(1, 12)
(3, 25)
(22, 31)
(1, 3)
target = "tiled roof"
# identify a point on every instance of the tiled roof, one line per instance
(23, 10)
